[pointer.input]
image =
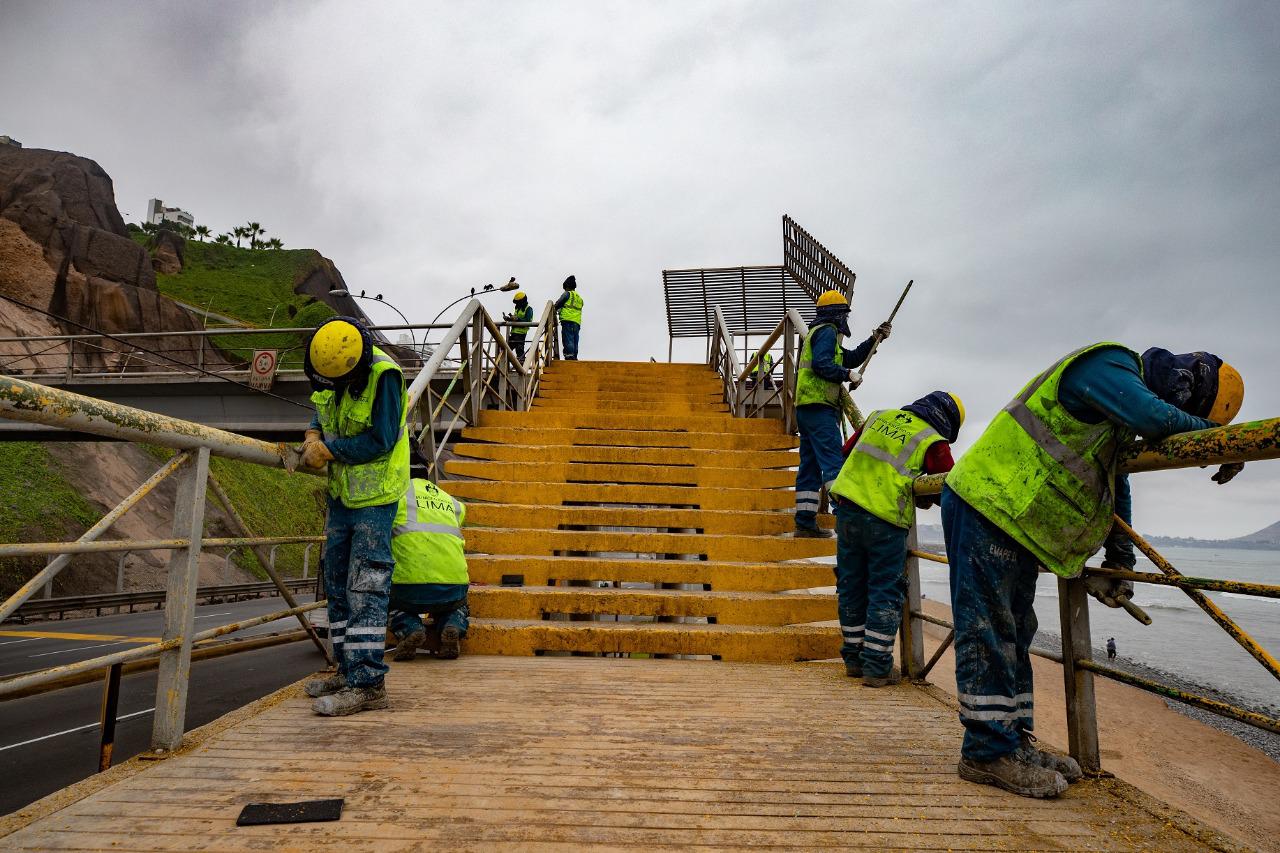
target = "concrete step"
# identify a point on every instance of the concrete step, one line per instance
(644, 392)
(542, 436)
(706, 521)
(726, 608)
(722, 423)
(736, 548)
(729, 642)
(674, 405)
(748, 459)
(654, 368)
(586, 472)
(719, 575)
(589, 384)
(527, 492)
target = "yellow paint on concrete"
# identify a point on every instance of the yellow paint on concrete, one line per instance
(729, 642)
(629, 420)
(590, 396)
(485, 540)
(674, 406)
(739, 459)
(630, 438)
(705, 520)
(586, 472)
(526, 492)
(727, 608)
(67, 635)
(746, 577)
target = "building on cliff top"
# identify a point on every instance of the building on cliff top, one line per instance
(5, 139)
(157, 213)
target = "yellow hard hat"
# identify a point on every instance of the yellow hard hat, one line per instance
(832, 297)
(1230, 395)
(336, 348)
(519, 295)
(959, 405)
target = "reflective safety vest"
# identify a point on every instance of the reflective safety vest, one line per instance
(1043, 477)
(571, 310)
(426, 537)
(371, 483)
(521, 315)
(810, 387)
(764, 366)
(888, 455)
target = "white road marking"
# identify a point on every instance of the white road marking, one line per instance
(211, 615)
(71, 731)
(24, 640)
(83, 648)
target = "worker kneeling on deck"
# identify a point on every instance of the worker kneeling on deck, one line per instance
(359, 430)
(431, 572)
(875, 508)
(1040, 488)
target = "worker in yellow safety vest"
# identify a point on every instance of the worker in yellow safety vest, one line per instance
(1042, 487)
(569, 310)
(431, 572)
(359, 431)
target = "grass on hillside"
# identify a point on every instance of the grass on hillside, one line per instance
(274, 503)
(38, 505)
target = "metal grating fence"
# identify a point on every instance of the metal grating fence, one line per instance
(753, 300)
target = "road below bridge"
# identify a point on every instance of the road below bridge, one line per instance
(50, 740)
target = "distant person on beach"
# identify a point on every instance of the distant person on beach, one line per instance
(875, 508)
(569, 309)
(825, 365)
(1111, 648)
(1040, 487)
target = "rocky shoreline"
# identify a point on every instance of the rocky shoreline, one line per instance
(1265, 741)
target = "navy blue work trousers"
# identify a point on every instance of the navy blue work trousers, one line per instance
(569, 339)
(871, 557)
(357, 579)
(993, 588)
(406, 612)
(820, 458)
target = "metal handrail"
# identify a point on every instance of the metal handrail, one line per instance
(742, 393)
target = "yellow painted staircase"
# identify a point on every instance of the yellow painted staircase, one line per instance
(642, 518)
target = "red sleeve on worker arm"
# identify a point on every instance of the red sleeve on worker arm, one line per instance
(937, 459)
(852, 440)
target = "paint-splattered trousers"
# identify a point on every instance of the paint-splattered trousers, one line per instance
(871, 556)
(993, 587)
(820, 458)
(357, 580)
(408, 606)
(569, 338)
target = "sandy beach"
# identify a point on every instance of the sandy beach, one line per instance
(1213, 776)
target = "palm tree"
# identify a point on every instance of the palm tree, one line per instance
(274, 243)
(252, 231)
(202, 231)
(224, 239)
(239, 231)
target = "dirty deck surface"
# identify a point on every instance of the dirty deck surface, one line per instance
(565, 752)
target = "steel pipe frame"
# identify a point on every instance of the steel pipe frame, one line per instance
(41, 549)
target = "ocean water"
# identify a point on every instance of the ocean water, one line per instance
(1182, 639)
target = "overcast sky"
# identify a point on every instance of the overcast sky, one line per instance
(1049, 174)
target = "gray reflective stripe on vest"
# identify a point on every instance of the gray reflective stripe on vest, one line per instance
(1077, 465)
(412, 525)
(897, 460)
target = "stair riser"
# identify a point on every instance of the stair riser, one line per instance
(607, 420)
(677, 407)
(732, 548)
(555, 392)
(783, 646)
(628, 456)
(509, 603)
(722, 577)
(551, 518)
(684, 496)
(629, 438)
(646, 474)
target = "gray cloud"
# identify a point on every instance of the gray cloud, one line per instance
(1049, 175)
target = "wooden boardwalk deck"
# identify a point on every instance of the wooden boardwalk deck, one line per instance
(543, 753)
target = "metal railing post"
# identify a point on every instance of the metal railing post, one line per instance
(306, 560)
(788, 377)
(911, 652)
(1082, 713)
(107, 722)
(120, 571)
(180, 605)
(271, 556)
(476, 376)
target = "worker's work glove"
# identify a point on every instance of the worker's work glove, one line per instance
(1226, 473)
(855, 378)
(1110, 591)
(315, 454)
(312, 435)
(883, 330)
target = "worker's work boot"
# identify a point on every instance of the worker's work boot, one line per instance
(890, 678)
(1014, 774)
(853, 670)
(450, 643)
(812, 533)
(1064, 764)
(407, 649)
(326, 686)
(351, 700)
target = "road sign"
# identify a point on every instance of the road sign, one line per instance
(262, 370)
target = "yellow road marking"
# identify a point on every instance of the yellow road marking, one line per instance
(62, 635)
